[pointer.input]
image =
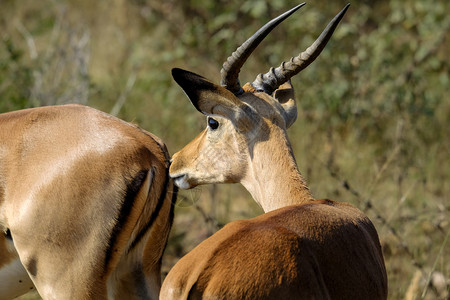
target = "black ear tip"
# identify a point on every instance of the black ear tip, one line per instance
(192, 84)
(177, 72)
(190, 81)
(182, 77)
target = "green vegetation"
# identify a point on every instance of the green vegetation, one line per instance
(374, 109)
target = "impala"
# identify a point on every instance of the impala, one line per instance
(301, 248)
(86, 205)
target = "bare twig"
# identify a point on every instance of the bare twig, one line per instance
(28, 38)
(368, 205)
(383, 168)
(434, 267)
(207, 218)
(123, 96)
(400, 202)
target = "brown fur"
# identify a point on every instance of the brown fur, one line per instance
(78, 188)
(321, 250)
(301, 248)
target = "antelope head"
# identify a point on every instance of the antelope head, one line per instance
(242, 120)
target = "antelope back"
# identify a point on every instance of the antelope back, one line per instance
(87, 202)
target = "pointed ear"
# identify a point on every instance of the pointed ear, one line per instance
(212, 99)
(285, 96)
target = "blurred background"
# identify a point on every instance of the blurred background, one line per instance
(374, 109)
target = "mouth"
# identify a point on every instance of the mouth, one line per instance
(180, 181)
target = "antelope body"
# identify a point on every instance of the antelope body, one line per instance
(85, 205)
(301, 248)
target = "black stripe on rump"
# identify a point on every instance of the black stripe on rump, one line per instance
(172, 210)
(131, 192)
(155, 213)
(8, 234)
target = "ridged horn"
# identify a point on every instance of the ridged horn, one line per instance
(233, 64)
(270, 81)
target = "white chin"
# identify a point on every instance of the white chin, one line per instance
(182, 183)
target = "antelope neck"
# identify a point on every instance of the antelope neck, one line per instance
(273, 178)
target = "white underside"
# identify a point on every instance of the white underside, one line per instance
(14, 280)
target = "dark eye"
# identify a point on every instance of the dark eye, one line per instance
(213, 124)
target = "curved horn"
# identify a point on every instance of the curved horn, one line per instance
(270, 81)
(232, 66)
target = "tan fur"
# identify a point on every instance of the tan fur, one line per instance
(65, 172)
(6, 256)
(301, 248)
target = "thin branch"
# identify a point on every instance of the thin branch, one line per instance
(434, 267)
(207, 218)
(28, 38)
(123, 97)
(368, 205)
